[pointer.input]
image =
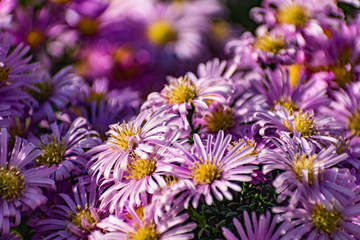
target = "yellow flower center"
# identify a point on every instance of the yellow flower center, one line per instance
(295, 74)
(324, 220)
(248, 143)
(53, 152)
(12, 183)
(205, 172)
(34, 38)
(343, 75)
(88, 26)
(4, 74)
(170, 180)
(161, 33)
(220, 29)
(304, 162)
(139, 168)
(139, 211)
(354, 123)
(269, 43)
(181, 91)
(294, 14)
(95, 96)
(76, 219)
(304, 124)
(221, 119)
(147, 232)
(123, 132)
(45, 91)
(287, 104)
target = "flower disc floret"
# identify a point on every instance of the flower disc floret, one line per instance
(293, 14)
(139, 168)
(325, 220)
(304, 124)
(205, 172)
(181, 91)
(35, 38)
(342, 75)
(302, 162)
(88, 26)
(221, 119)
(270, 44)
(161, 33)
(53, 152)
(354, 123)
(12, 183)
(123, 133)
(147, 232)
(287, 103)
(76, 219)
(45, 89)
(4, 74)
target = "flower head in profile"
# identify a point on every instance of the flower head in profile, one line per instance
(65, 148)
(266, 227)
(212, 169)
(19, 182)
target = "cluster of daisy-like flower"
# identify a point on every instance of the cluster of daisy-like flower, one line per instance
(264, 144)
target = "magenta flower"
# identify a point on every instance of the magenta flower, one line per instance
(213, 170)
(266, 227)
(65, 148)
(20, 185)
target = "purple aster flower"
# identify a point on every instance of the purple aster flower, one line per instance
(65, 148)
(184, 93)
(303, 170)
(170, 226)
(54, 92)
(278, 89)
(315, 128)
(20, 186)
(76, 218)
(213, 170)
(266, 227)
(16, 74)
(140, 137)
(313, 220)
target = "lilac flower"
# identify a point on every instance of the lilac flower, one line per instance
(65, 148)
(170, 226)
(140, 137)
(312, 220)
(304, 171)
(20, 186)
(265, 228)
(54, 92)
(213, 169)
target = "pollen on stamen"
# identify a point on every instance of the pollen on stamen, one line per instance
(205, 172)
(180, 90)
(81, 213)
(294, 14)
(269, 43)
(325, 220)
(220, 119)
(12, 183)
(139, 168)
(248, 143)
(287, 103)
(123, 133)
(304, 162)
(161, 33)
(304, 124)
(147, 232)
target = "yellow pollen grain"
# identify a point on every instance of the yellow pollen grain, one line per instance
(35, 38)
(161, 33)
(287, 103)
(88, 26)
(304, 124)
(139, 168)
(326, 221)
(123, 132)
(181, 90)
(304, 162)
(248, 143)
(53, 152)
(12, 183)
(294, 14)
(269, 43)
(205, 172)
(221, 119)
(147, 232)
(76, 219)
